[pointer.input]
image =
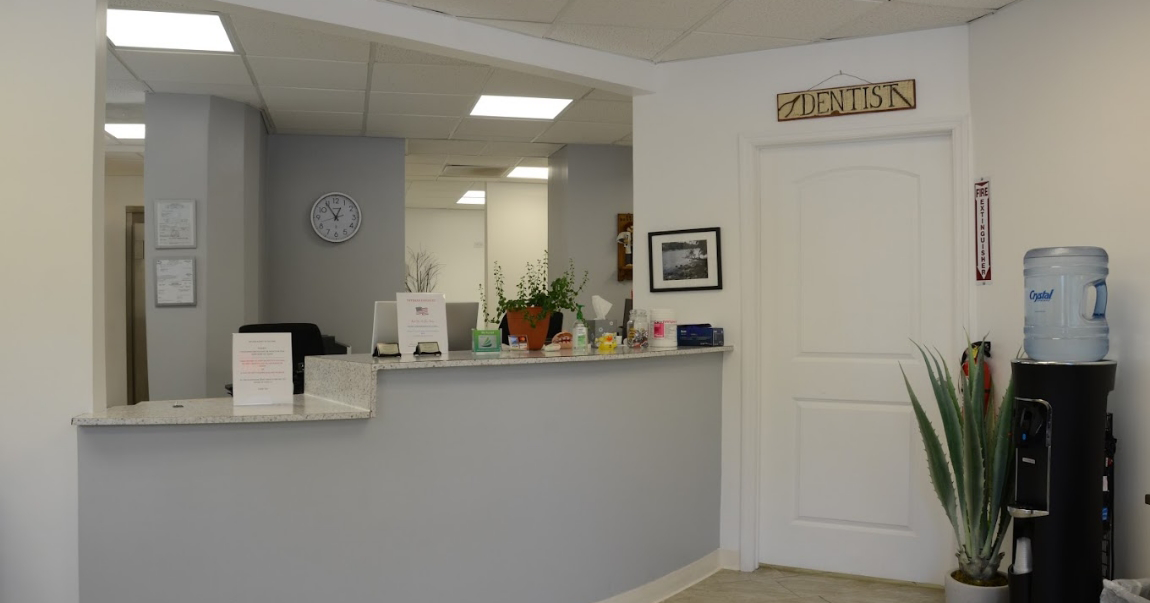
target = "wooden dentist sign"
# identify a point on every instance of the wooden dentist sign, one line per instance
(847, 100)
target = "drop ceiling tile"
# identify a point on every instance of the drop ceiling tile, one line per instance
(653, 14)
(268, 37)
(490, 128)
(700, 44)
(893, 17)
(428, 79)
(521, 149)
(450, 189)
(446, 147)
(572, 132)
(309, 73)
(391, 103)
(125, 92)
(124, 113)
(429, 159)
(243, 94)
(991, 4)
(318, 132)
(187, 67)
(161, 5)
(613, 112)
(317, 120)
(410, 126)
(789, 19)
(598, 94)
(419, 169)
(313, 99)
(504, 82)
(628, 41)
(530, 28)
(117, 72)
(535, 162)
(395, 54)
(482, 161)
(541, 11)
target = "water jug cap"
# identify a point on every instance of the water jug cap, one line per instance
(1061, 252)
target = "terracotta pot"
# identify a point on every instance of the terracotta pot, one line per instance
(958, 592)
(536, 336)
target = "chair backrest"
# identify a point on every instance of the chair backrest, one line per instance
(306, 340)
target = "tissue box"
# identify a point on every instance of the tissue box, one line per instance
(597, 327)
(703, 335)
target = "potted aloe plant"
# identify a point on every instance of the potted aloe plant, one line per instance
(971, 476)
(536, 299)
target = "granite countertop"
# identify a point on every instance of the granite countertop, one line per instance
(343, 387)
(461, 359)
(222, 410)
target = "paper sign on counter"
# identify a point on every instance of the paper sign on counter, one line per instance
(261, 368)
(422, 317)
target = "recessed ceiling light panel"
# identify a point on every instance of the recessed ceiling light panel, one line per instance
(523, 107)
(167, 31)
(535, 173)
(125, 131)
(473, 198)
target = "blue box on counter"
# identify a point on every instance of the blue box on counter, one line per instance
(703, 335)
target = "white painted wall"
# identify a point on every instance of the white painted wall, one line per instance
(1054, 94)
(516, 232)
(590, 186)
(52, 303)
(687, 163)
(119, 193)
(456, 237)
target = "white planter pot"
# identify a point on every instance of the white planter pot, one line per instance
(957, 592)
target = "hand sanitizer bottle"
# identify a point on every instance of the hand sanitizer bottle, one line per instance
(581, 343)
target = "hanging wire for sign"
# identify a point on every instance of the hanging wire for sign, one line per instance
(840, 73)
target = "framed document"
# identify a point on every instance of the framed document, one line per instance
(422, 317)
(261, 368)
(175, 282)
(175, 224)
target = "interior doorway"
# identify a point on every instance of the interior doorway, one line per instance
(857, 246)
(137, 336)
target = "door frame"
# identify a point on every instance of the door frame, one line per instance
(129, 257)
(752, 312)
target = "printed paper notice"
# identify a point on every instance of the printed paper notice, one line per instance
(422, 317)
(176, 282)
(175, 224)
(261, 368)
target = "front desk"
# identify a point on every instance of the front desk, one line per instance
(513, 478)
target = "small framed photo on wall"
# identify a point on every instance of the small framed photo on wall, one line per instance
(685, 260)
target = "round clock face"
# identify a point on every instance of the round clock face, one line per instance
(335, 217)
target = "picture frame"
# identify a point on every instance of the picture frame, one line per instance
(175, 221)
(685, 260)
(175, 282)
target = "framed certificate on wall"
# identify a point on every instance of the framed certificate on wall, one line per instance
(175, 224)
(175, 282)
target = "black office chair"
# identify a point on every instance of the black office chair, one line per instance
(306, 340)
(553, 327)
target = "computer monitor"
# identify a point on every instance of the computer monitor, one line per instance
(461, 318)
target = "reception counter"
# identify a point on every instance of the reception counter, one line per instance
(512, 478)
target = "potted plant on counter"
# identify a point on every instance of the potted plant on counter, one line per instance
(529, 311)
(973, 485)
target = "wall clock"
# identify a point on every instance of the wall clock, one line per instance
(335, 217)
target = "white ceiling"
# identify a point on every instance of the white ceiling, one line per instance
(670, 30)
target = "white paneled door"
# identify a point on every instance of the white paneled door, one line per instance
(858, 260)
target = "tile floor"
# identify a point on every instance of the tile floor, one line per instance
(769, 584)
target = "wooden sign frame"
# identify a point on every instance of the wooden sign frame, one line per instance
(847, 100)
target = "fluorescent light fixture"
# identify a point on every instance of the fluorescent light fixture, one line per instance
(523, 107)
(537, 173)
(125, 131)
(169, 31)
(473, 198)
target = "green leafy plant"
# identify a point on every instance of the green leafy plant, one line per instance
(972, 486)
(535, 296)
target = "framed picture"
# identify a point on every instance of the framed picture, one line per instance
(685, 260)
(175, 224)
(175, 281)
(624, 233)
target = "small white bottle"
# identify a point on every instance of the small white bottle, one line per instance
(581, 344)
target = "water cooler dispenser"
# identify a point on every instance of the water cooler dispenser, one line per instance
(1059, 434)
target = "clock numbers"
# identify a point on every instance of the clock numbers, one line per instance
(335, 217)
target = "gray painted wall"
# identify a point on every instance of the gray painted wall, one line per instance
(456, 491)
(589, 186)
(309, 279)
(207, 149)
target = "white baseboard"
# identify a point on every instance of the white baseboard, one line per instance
(679, 580)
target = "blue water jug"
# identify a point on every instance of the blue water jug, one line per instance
(1062, 325)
